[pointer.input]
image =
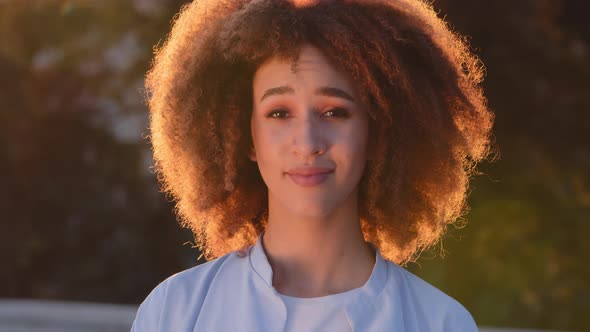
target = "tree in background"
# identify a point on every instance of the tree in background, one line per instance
(83, 219)
(520, 259)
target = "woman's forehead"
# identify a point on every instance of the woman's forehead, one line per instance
(310, 66)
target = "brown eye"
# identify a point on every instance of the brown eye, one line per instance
(277, 114)
(337, 113)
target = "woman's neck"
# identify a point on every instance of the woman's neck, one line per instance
(312, 258)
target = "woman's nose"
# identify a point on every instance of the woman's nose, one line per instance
(309, 138)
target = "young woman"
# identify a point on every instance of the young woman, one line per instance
(313, 147)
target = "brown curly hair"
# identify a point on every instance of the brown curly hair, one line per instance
(429, 117)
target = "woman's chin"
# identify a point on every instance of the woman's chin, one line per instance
(311, 211)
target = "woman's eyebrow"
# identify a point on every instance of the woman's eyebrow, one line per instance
(324, 91)
(279, 90)
(334, 92)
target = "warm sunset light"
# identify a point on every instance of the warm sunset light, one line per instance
(321, 156)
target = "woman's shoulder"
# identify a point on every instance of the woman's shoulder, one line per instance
(200, 276)
(421, 298)
(186, 290)
(205, 272)
(418, 287)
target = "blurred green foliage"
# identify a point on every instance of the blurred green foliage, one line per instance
(83, 218)
(522, 258)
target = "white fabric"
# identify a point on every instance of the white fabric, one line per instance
(234, 293)
(324, 313)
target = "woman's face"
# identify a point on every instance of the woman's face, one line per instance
(310, 134)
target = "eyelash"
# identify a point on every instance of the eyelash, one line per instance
(338, 110)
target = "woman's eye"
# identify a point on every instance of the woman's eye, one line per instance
(331, 113)
(277, 114)
(337, 112)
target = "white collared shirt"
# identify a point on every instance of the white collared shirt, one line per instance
(234, 293)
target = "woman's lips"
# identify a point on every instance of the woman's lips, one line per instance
(309, 180)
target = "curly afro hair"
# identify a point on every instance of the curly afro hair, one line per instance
(429, 117)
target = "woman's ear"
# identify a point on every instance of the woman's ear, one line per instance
(252, 154)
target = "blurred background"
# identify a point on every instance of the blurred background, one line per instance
(83, 219)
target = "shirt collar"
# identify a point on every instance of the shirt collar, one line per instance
(260, 263)
(371, 288)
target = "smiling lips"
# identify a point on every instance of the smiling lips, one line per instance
(309, 176)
